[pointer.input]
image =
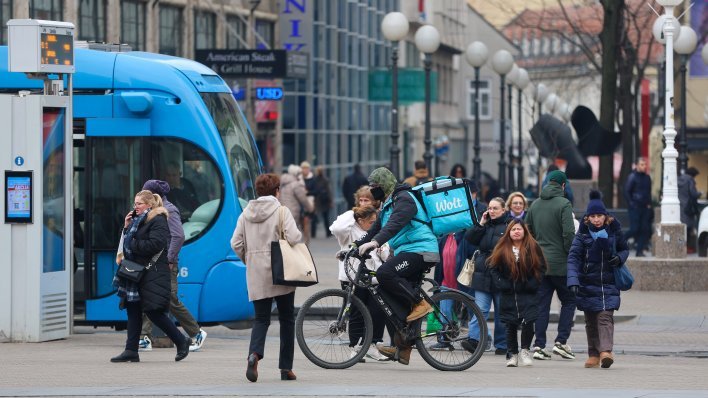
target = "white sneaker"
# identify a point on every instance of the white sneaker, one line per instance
(374, 354)
(525, 358)
(198, 340)
(513, 361)
(355, 350)
(563, 350)
(145, 344)
(541, 353)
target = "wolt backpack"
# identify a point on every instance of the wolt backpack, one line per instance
(448, 203)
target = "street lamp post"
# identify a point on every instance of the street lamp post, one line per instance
(502, 63)
(685, 46)
(395, 28)
(540, 96)
(511, 83)
(427, 40)
(522, 81)
(670, 207)
(476, 55)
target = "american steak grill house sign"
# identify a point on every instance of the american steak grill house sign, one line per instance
(245, 63)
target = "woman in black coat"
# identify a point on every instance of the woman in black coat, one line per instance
(485, 237)
(517, 265)
(145, 239)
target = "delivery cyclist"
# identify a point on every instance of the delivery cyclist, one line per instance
(414, 246)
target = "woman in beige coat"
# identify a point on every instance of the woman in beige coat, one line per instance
(256, 228)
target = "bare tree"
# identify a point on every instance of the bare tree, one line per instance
(614, 39)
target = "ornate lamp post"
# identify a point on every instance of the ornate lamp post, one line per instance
(476, 55)
(502, 63)
(522, 81)
(685, 46)
(427, 40)
(395, 28)
(540, 94)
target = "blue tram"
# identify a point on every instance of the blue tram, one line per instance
(140, 116)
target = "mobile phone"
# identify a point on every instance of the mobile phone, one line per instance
(134, 213)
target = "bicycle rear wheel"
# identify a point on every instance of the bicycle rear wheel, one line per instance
(442, 332)
(326, 329)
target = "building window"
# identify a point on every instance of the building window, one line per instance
(170, 30)
(205, 30)
(236, 34)
(5, 15)
(92, 20)
(485, 97)
(132, 27)
(265, 30)
(48, 10)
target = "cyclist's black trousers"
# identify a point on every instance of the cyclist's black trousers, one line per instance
(400, 272)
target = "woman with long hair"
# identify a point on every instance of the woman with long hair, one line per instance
(517, 265)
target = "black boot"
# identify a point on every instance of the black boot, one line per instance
(183, 349)
(127, 356)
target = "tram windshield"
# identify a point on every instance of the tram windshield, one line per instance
(241, 150)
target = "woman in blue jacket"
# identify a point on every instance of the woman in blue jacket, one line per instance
(597, 248)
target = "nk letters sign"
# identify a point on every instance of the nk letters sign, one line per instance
(411, 85)
(245, 63)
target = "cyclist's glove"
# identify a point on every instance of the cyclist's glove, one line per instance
(367, 247)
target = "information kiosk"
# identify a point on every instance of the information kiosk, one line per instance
(35, 151)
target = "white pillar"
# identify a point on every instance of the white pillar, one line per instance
(670, 208)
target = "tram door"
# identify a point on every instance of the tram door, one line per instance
(107, 172)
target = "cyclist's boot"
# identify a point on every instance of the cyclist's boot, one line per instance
(419, 310)
(402, 354)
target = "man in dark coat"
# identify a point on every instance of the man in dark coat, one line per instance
(550, 220)
(688, 198)
(637, 193)
(351, 183)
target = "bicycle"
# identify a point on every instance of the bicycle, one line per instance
(328, 319)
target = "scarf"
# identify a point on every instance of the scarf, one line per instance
(128, 291)
(597, 232)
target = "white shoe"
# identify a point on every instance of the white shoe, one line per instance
(563, 350)
(541, 353)
(525, 358)
(145, 344)
(374, 354)
(198, 340)
(354, 351)
(513, 361)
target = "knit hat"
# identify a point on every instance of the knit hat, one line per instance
(383, 178)
(294, 170)
(557, 176)
(595, 206)
(157, 186)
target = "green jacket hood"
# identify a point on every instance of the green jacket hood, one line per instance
(551, 191)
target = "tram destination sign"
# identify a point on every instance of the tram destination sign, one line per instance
(245, 63)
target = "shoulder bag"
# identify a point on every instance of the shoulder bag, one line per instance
(465, 276)
(132, 271)
(623, 278)
(292, 265)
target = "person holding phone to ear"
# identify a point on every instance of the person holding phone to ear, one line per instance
(491, 228)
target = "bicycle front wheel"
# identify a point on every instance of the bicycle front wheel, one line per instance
(443, 332)
(332, 334)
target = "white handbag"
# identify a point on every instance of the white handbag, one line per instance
(291, 265)
(465, 276)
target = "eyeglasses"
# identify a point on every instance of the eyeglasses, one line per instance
(138, 204)
(517, 203)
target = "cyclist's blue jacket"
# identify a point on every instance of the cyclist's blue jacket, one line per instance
(397, 224)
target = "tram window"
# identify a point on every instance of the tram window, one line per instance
(196, 187)
(238, 142)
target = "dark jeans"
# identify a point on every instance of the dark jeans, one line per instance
(600, 329)
(550, 284)
(324, 218)
(286, 317)
(397, 273)
(177, 309)
(160, 319)
(640, 226)
(512, 342)
(356, 321)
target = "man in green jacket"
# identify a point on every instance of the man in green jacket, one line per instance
(550, 220)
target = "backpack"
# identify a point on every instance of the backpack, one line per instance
(448, 204)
